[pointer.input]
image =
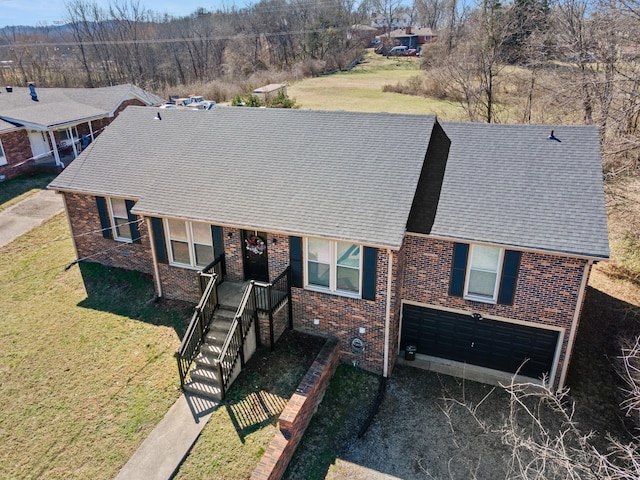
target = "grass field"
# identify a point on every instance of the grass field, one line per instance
(15, 190)
(360, 89)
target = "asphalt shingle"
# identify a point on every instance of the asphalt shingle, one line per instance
(512, 185)
(341, 175)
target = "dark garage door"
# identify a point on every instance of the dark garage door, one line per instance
(487, 343)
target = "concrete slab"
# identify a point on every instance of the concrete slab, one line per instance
(230, 294)
(29, 213)
(162, 452)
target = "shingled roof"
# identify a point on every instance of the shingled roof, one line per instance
(340, 175)
(59, 106)
(353, 176)
(513, 185)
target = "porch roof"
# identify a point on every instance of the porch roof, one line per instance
(59, 106)
(340, 175)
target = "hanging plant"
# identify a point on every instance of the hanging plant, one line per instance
(255, 245)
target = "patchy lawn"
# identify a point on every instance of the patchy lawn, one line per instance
(17, 189)
(241, 429)
(86, 360)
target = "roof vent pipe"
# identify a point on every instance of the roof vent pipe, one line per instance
(32, 92)
(9, 88)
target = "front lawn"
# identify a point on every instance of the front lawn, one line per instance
(16, 189)
(86, 360)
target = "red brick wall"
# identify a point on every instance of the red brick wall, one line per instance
(546, 292)
(17, 150)
(179, 283)
(342, 317)
(233, 254)
(92, 246)
(297, 414)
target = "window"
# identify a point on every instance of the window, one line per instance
(333, 266)
(3, 159)
(68, 135)
(120, 219)
(190, 243)
(116, 219)
(484, 266)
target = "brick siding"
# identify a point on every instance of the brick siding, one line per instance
(17, 149)
(297, 414)
(342, 317)
(93, 247)
(546, 292)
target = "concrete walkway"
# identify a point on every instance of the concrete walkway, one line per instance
(162, 452)
(27, 214)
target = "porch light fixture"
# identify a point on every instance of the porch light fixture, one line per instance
(274, 240)
(229, 235)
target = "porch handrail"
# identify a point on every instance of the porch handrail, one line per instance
(214, 268)
(233, 346)
(194, 336)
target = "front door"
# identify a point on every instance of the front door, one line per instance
(254, 248)
(39, 144)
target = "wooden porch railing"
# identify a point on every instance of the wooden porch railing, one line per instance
(233, 347)
(208, 280)
(271, 296)
(216, 267)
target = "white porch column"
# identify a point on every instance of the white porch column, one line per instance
(55, 149)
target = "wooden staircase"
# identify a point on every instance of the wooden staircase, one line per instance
(203, 377)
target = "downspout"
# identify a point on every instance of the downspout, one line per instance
(574, 323)
(66, 211)
(156, 272)
(387, 320)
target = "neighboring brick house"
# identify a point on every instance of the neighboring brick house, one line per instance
(471, 242)
(40, 125)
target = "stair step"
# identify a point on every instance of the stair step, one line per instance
(204, 389)
(204, 374)
(226, 312)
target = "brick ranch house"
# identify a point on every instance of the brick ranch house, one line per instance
(40, 126)
(471, 242)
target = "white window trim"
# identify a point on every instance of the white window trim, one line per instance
(496, 288)
(112, 221)
(190, 243)
(333, 270)
(3, 157)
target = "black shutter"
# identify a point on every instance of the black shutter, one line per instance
(458, 269)
(295, 261)
(133, 222)
(104, 217)
(218, 245)
(369, 273)
(158, 240)
(510, 269)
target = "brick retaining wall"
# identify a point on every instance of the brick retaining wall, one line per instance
(298, 413)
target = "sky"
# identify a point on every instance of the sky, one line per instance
(50, 12)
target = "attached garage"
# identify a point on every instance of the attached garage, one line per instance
(479, 341)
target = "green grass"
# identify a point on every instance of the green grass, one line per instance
(360, 89)
(86, 361)
(17, 189)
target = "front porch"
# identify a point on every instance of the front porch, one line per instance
(231, 320)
